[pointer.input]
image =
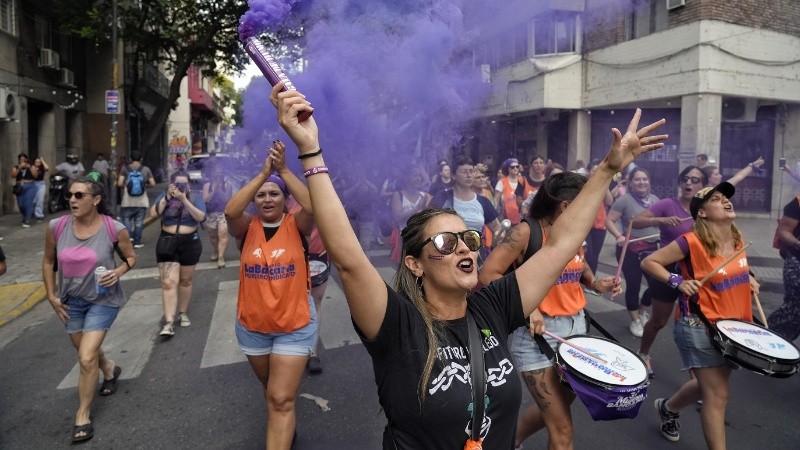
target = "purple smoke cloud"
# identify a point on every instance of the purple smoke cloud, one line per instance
(391, 81)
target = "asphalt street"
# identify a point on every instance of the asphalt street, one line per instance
(195, 390)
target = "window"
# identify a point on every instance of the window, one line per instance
(42, 29)
(7, 19)
(554, 34)
(647, 17)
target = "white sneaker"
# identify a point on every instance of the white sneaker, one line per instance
(138, 245)
(184, 320)
(636, 328)
(167, 330)
(644, 316)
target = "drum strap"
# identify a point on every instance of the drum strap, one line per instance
(596, 324)
(478, 375)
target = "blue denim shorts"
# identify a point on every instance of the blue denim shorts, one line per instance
(300, 342)
(525, 350)
(85, 316)
(694, 345)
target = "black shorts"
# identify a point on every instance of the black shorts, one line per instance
(661, 292)
(320, 268)
(188, 252)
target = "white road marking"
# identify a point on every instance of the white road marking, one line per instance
(130, 340)
(221, 345)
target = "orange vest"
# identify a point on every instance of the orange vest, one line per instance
(510, 200)
(600, 219)
(566, 296)
(726, 295)
(273, 279)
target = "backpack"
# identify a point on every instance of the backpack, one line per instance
(777, 242)
(135, 184)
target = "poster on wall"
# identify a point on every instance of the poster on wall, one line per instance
(179, 144)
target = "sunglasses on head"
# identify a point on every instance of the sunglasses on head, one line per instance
(694, 180)
(78, 195)
(446, 242)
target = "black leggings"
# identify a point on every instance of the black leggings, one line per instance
(632, 272)
(594, 243)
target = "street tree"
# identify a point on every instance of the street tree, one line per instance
(172, 34)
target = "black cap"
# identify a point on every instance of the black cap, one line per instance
(704, 194)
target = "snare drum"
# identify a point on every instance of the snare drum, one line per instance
(610, 391)
(319, 268)
(756, 348)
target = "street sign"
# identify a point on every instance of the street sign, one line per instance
(112, 102)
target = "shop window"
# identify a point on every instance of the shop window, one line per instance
(7, 19)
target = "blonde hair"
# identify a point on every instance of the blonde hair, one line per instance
(410, 286)
(709, 239)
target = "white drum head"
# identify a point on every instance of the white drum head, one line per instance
(624, 368)
(758, 339)
(316, 267)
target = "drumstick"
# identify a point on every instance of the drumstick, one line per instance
(686, 218)
(622, 256)
(760, 310)
(646, 237)
(732, 257)
(576, 347)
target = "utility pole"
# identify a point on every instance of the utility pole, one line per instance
(114, 87)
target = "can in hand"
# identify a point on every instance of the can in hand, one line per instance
(98, 273)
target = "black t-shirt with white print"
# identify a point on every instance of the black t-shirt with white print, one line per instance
(398, 357)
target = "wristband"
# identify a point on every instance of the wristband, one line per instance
(674, 280)
(310, 155)
(315, 170)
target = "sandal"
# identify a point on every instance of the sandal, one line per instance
(87, 429)
(108, 387)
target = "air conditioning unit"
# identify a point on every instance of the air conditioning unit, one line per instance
(674, 4)
(9, 105)
(739, 109)
(48, 58)
(66, 77)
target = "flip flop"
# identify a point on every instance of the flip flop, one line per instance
(87, 429)
(108, 387)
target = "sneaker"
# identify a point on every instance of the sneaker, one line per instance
(25, 225)
(314, 365)
(669, 420)
(636, 328)
(167, 330)
(138, 245)
(644, 317)
(184, 320)
(646, 358)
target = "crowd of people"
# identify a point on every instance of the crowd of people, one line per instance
(513, 251)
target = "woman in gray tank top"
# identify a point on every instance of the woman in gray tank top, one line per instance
(79, 254)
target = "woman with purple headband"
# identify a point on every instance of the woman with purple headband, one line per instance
(276, 321)
(417, 332)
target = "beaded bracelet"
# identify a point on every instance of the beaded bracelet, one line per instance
(315, 170)
(310, 155)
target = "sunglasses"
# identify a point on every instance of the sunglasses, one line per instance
(78, 195)
(446, 242)
(693, 180)
(514, 166)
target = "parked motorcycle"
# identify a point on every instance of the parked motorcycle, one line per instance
(59, 183)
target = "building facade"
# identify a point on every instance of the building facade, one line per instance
(725, 75)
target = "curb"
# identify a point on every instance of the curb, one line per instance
(38, 294)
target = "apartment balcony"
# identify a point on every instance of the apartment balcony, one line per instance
(152, 85)
(201, 99)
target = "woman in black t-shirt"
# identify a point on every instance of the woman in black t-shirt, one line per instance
(416, 333)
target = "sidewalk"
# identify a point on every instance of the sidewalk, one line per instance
(21, 287)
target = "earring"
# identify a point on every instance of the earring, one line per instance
(418, 283)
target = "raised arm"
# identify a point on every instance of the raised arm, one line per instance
(746, 171)
(304, 216)
(363, 286)
(537, 275)
(237, 219)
